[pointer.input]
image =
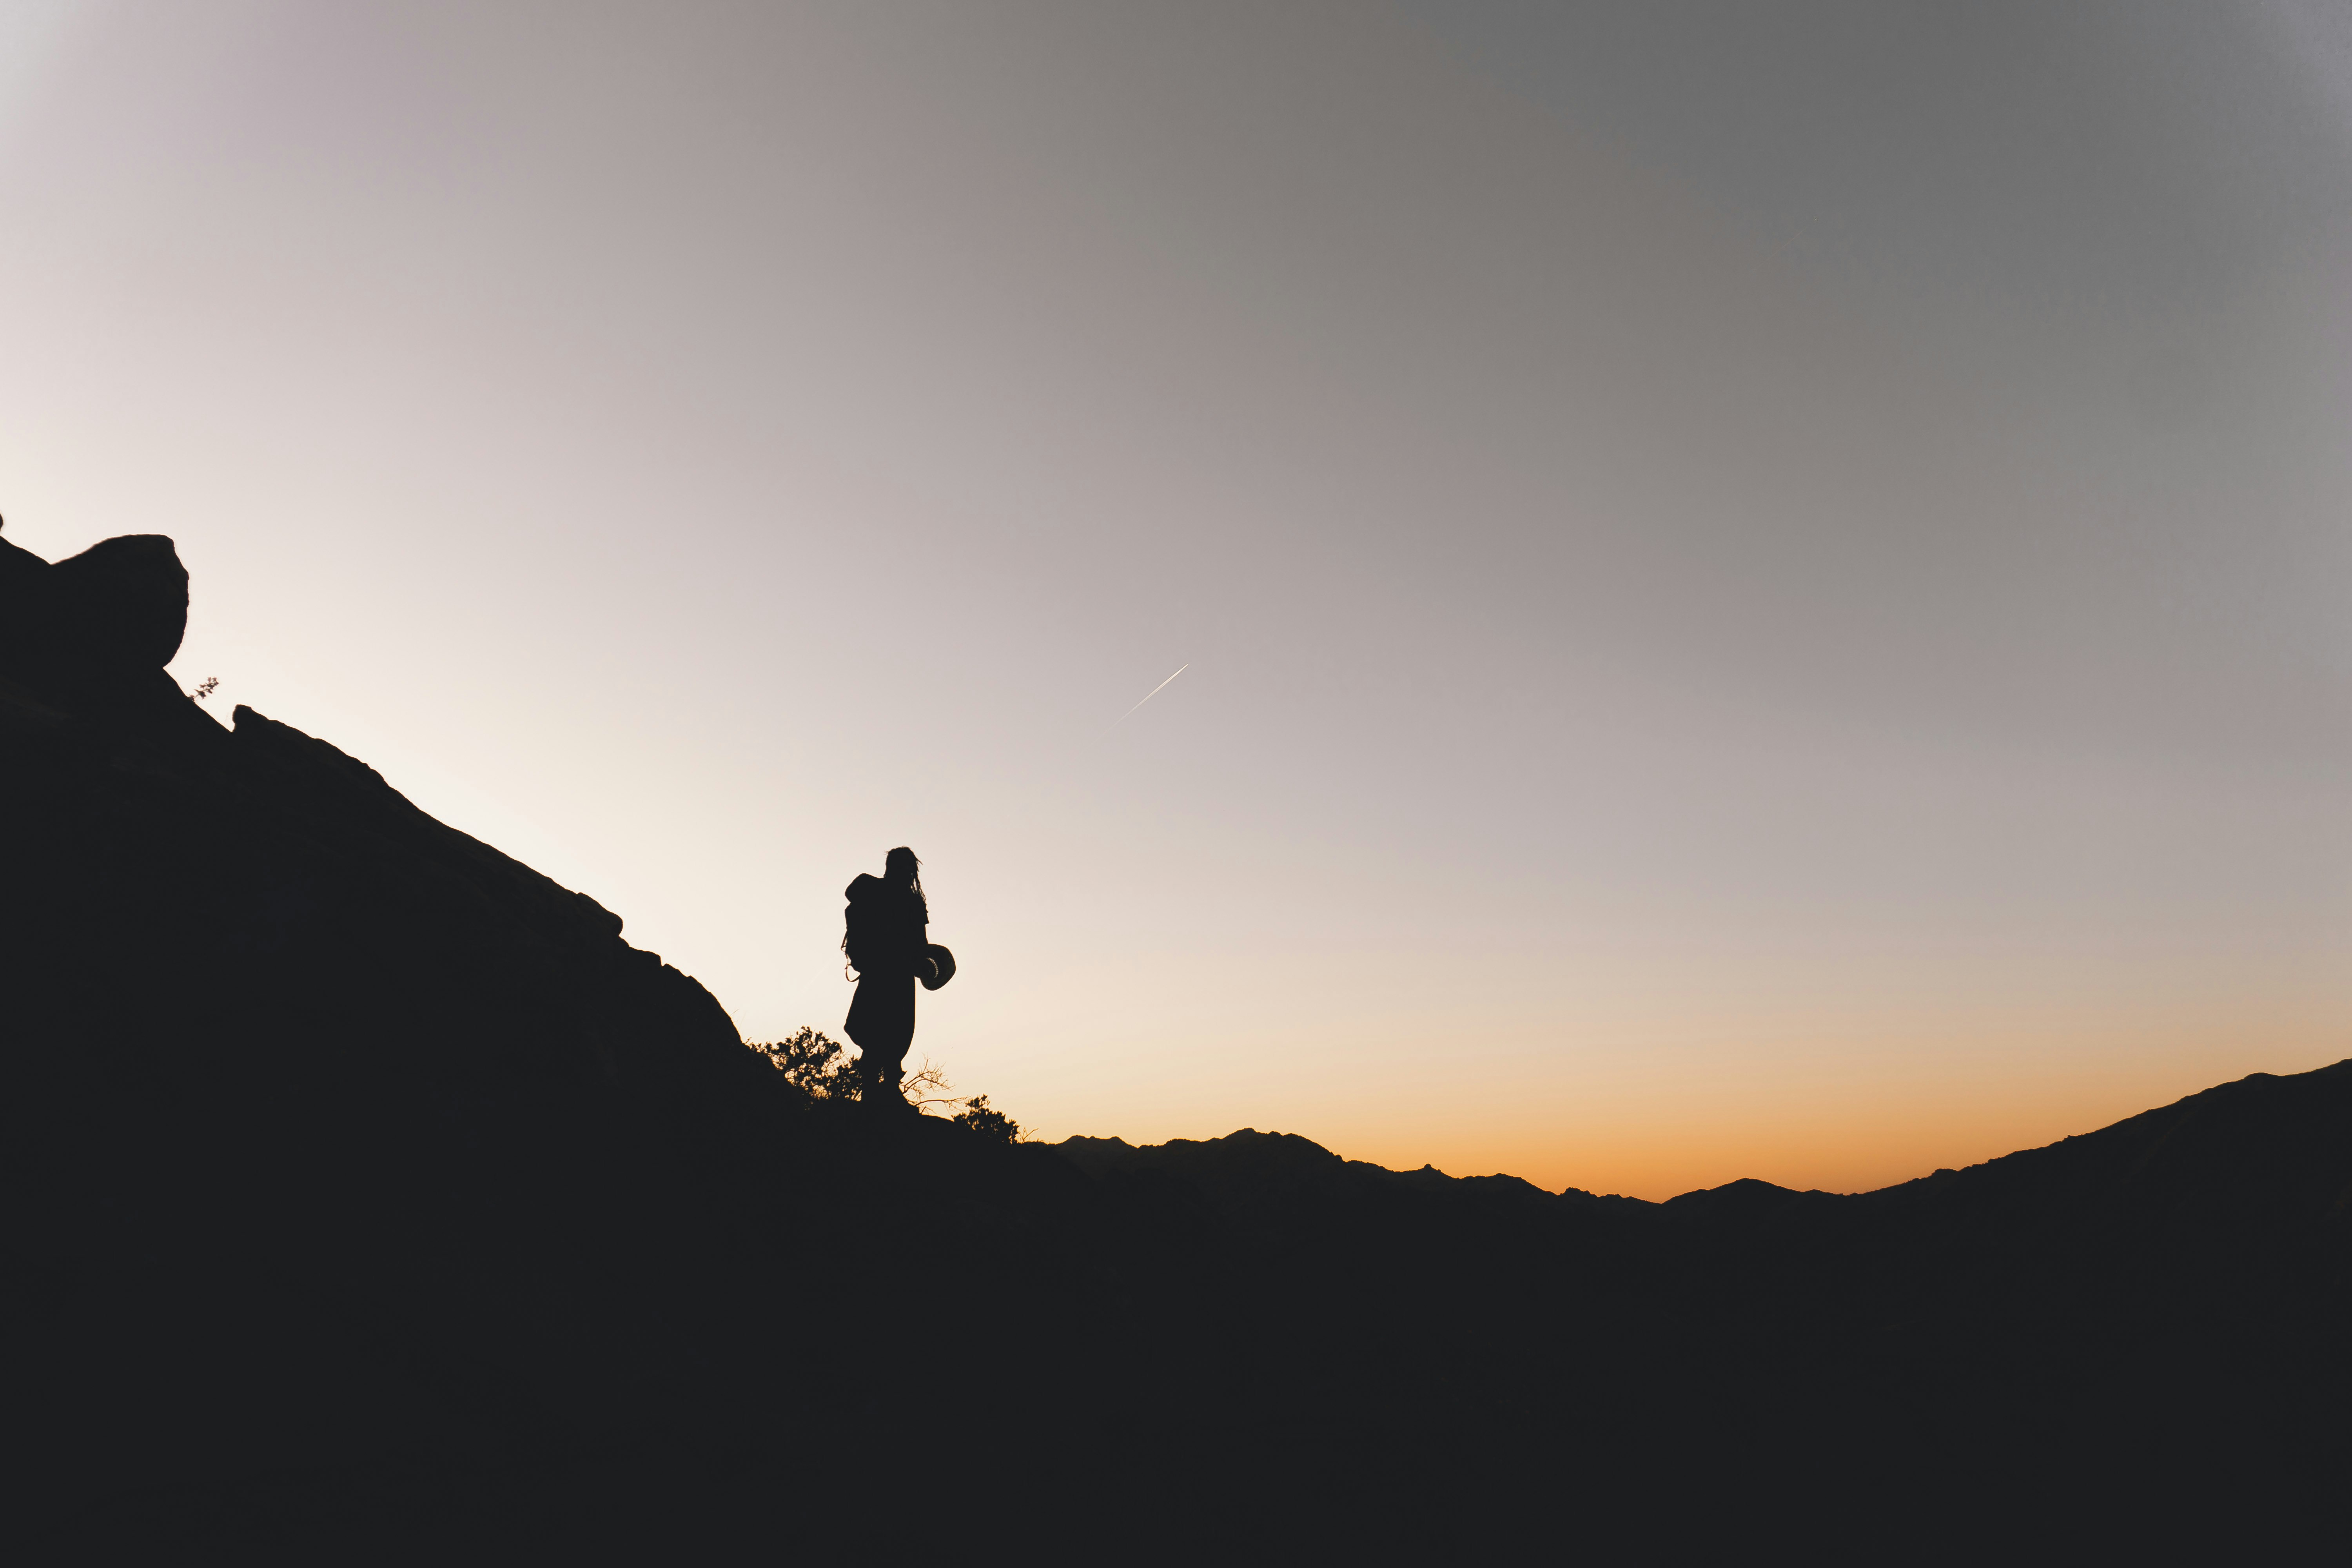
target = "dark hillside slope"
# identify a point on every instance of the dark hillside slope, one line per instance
(2154, 1315)
(366, 1189)
(322, 1116)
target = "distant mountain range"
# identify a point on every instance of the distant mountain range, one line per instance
(367, 1194)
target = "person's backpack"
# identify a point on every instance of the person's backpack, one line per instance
(866, 935)
(859, 938)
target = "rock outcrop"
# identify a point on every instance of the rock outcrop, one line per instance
(95, 629)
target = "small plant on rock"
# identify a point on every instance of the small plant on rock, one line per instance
(814, 1062)
(987, 1120)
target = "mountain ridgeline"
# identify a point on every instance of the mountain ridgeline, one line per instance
(367, 1190)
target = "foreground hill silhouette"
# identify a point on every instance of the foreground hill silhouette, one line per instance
(367, 1190)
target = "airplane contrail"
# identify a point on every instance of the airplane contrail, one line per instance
(1151, 694)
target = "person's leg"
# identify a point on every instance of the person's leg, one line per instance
(894, 1035)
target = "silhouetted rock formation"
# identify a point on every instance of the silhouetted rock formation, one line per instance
(97, 629)
(365, 1190)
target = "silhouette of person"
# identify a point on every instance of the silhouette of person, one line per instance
(884, 941)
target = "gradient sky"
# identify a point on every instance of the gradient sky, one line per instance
(1765, 586)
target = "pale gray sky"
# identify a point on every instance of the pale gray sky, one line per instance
(1765, 586)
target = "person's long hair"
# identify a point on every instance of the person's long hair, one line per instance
(902, 869)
